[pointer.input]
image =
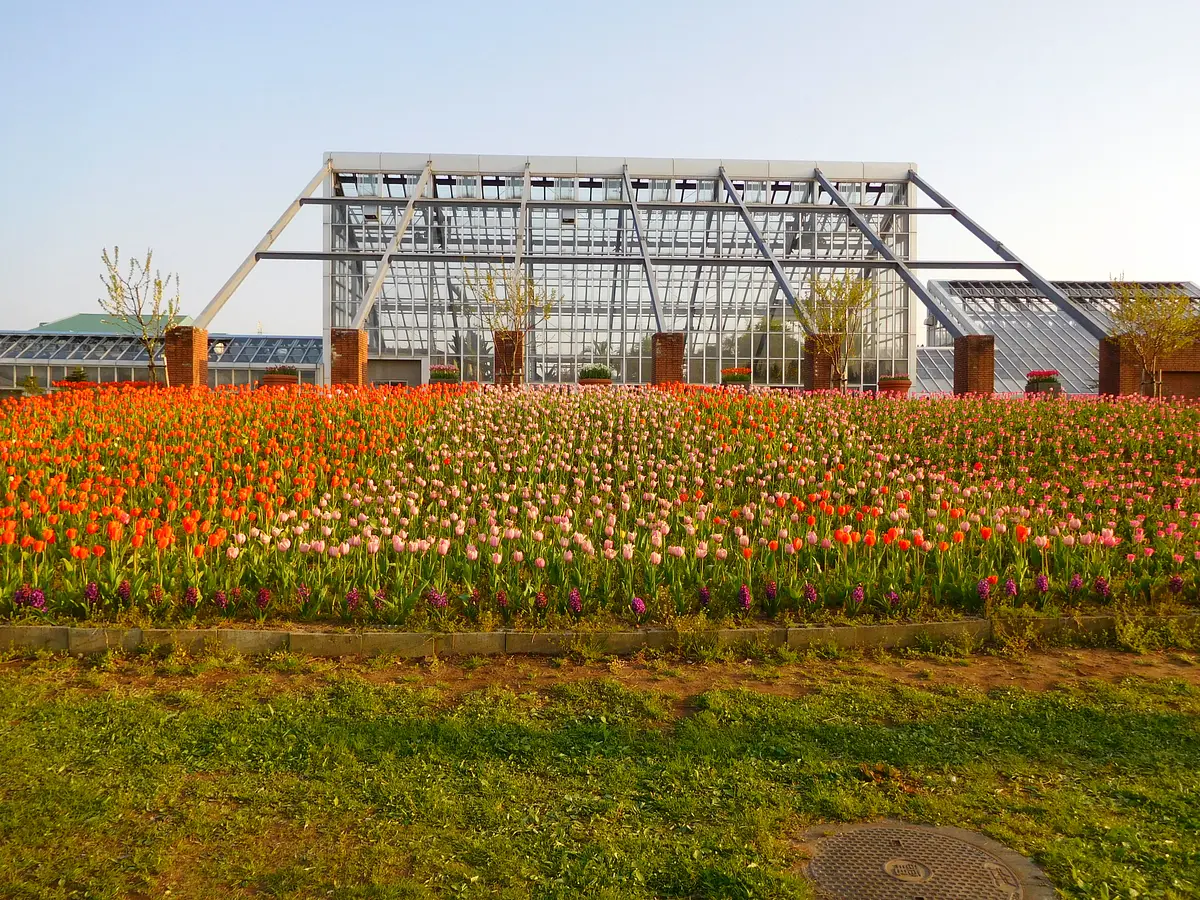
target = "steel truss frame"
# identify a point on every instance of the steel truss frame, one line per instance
(656, 229)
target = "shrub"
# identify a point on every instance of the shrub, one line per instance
(596, 370)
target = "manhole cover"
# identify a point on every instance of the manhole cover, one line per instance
(896, 861)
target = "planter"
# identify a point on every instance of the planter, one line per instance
(1048, 388)
(896, 386)
(735, 382)
(276, 379)
(445, 381)
(595, 381)
(509, 356)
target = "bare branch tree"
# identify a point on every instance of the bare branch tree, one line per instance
(511, 303)
(140, 302)
(1154, 323)
(834, 307)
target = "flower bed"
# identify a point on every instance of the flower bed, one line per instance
(444, 373)
(459, 507)
(735, 375)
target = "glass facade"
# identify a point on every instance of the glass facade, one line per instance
(582, 238)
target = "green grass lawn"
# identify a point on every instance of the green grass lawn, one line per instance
(295, 778)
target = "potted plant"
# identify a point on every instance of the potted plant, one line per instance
(512, 304)
(280, 376)
(444, 374)
(897, 385)
(595, 373)
(1043, 381)
(735, 375)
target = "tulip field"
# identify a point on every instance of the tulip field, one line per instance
(459, 506)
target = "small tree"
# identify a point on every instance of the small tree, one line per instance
(510, 301)
(140, 301)
(834, 307)
(1154, 323)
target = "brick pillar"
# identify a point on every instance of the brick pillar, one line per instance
(509, 357)
(186, 350)
(667, 347)
(975, 364)
(1120, 372)
(348, 348)
(816, 369)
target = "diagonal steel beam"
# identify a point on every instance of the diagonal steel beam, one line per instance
(765, 250)
(385, 263)
(522, 220)
(944, 315)
(641, 238)
(1045, 288)
(227, 289)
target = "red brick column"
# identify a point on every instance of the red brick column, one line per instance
(348, 348)
(975, 364)
(186, 350)
(816, 369)
(667, 348)
(509, 357)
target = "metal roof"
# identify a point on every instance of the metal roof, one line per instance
(96, 323)
(470, 163)
(1031, 332)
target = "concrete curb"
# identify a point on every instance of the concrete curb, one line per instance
(256, 642)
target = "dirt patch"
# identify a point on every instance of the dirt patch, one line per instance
(680, 680)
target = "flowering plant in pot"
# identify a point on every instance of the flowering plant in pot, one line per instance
(280, 376)
(444, 373)
(1043, 381)
(897, 385)
(595, 373)
(735, 375)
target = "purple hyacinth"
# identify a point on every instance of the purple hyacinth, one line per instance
(235, 596)
(575, 601)
(983, 589)
(705, 596)
(380, 599)
(156, 594)
(857, 594)
(772, 591)
(810, 595)
(437, 599)
(352, 599)
(745, 600)
(33, 598)
(91, 594)
(542, 600)
(638, 605)
(263, 598)
(1076, 583)
(221, 601)
(124, 591)
(1010, 587)
(475, 598)
(1042, 583)
(1101, 586)
(191, 598)
(502, 599)
(303, 593)
(893, 599)
(1175, 585)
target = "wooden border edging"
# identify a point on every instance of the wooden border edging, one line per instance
(256, 642)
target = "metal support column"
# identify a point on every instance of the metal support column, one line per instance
(641, 237)
(1045, 288)
(945, 316)
(393, 245)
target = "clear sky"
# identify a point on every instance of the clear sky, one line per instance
(1069, 128)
